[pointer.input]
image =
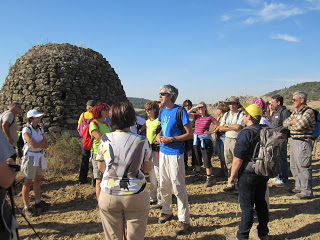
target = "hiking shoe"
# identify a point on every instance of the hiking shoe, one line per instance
(210, 181)
(165, 217)
(229, 188)
(303, 197)
(181, 228)
(196, 178)
(293, 190)
(42, 206)
(155, 206)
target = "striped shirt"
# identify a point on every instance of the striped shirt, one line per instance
(305, 126)
(202, 124)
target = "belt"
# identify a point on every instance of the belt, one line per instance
(302, 139)
(36, 151)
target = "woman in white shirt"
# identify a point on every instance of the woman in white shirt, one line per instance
(33, 161)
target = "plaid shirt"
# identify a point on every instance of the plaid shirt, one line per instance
(304, 127)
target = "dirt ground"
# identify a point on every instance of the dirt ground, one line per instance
(214, 213)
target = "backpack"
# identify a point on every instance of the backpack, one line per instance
(84, 122)
(316, 131)
(266, 155)
(179, 120)
(87, 139)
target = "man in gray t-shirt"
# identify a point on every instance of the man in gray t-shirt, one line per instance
(9, 124)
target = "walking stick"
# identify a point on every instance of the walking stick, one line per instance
(10, 191)
(19, 210)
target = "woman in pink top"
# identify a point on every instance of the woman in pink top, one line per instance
(203, 143)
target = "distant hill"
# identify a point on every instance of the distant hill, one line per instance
(311, 88)
(138, 102)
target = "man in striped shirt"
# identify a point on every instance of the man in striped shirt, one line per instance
(301, 124)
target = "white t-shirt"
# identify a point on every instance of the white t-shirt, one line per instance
(139, 121)
(37, 136)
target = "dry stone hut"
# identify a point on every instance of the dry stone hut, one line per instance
(58, 80)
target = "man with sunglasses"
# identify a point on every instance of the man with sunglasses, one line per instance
(172, 168)
(301, 124)
(231, 124)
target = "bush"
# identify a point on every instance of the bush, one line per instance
(64, 156)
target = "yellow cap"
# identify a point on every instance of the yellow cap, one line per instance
(252, 109)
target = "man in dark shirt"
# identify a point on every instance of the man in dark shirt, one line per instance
(252, 187)
(280, 113)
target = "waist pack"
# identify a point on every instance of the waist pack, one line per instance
(266, 156)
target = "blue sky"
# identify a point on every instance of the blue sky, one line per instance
(208, 49)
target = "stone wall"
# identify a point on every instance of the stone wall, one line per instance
(58, 80)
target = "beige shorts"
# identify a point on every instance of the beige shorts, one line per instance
(30, 171)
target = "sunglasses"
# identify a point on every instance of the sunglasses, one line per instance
(294, 100)
(200, 107)
(163, 93)
(148, 109)
(186, 105)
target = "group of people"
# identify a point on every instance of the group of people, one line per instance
(121, 158)
(33, 163)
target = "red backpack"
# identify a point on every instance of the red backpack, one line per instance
(86, 137)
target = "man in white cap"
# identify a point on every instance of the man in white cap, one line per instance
(231, 124)
(252, 187)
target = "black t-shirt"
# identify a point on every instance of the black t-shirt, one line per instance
(246, 141)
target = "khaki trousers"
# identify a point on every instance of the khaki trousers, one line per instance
(115, 211)
(154, 177)
(172, 175)
(229, 144)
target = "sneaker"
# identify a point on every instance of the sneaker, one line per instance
(229, 188)
(42, 206)
(165, 217)
(27, 213)
(255, 233)
(278, 181)
(210, 181)
(233, 238)
(196, 178)
(303, 197)
(181, 228)
(274, 179)
(293, 190)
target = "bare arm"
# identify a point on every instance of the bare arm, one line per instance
(101, 166)
(5, 127)
(233, 127)
(43, 144)
(96, 134)
(7, 174)
(147, 166)
(236, 164)
(181, 138)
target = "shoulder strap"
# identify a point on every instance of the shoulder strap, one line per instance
(238, 114)
(179, 120)
(94, 121)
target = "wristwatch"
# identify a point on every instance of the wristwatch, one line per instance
(173, 139)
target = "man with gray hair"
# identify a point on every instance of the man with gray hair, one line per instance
(171, 158)
(301, 124)
(9, 124)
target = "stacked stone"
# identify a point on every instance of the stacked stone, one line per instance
(58, 80)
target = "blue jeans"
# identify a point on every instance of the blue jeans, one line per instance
(220, 147)
(252, 188)
(284, 165)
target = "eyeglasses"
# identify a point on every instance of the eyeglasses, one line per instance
(200, 107)
(163, 93)
(294, 100)
(186, 105)
(148, 109)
